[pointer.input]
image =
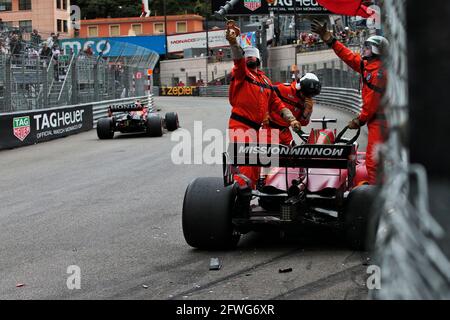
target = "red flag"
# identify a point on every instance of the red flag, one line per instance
(347, 7)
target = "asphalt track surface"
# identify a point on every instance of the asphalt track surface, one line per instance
(113, 208)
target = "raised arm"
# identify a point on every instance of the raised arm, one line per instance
(237, 53)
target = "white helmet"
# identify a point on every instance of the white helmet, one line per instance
(309, 84)
(252, 52)
(378, 44)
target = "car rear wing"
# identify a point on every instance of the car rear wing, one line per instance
(302, 156)
(126, 107)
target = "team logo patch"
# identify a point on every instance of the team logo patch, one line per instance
(252, 5)
(369, 76)
(21, 127)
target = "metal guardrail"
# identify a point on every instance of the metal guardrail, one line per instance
(343, 98)
(214, 91)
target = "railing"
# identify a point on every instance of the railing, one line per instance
(30, 83)
(348, 99)
(343, 98)
(67, 85)
(50, 77)
(44, 90)
(214, 91)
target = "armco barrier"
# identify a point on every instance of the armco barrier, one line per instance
(18, 129)
(343, 98)
(214, 91)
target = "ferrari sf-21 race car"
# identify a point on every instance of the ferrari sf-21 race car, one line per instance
(321, 182)
(135, 118)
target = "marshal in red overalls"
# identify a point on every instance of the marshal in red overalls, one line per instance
(374, 83)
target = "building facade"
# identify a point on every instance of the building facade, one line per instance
(140, 26)
(46, 16)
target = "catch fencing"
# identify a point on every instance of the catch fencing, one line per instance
(29, 82)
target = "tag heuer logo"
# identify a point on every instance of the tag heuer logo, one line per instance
(252, 4)
(21, 127)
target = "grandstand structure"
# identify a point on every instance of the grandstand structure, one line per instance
(29, 80)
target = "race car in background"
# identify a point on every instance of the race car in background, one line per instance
(135, 118)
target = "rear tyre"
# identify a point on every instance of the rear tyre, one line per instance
(207, 215)
(172, 122)
(359, 218)
(105, 128)
(154, 125)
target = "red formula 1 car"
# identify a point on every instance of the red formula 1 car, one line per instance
(134, 118)
(320, 182)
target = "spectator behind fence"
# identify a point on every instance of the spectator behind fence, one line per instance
(15, 45)
(88, 51)
(36, 38)
(56, 52)
(50, 40)
(15, 49)
(220, 55)
(32, 53)
(3, 48)
(45, 53)
(54, 38)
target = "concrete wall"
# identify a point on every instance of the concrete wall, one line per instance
(192, 67)
(315, 57)
(220, 69)
(283, 57)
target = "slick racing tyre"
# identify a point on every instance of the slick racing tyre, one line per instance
(207, 215)
(154, 125)
(105, 128)
(172, 122)
(359, 218)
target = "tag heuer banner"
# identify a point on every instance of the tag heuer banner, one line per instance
(263, 7)
(252, 5)
(31, 127)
